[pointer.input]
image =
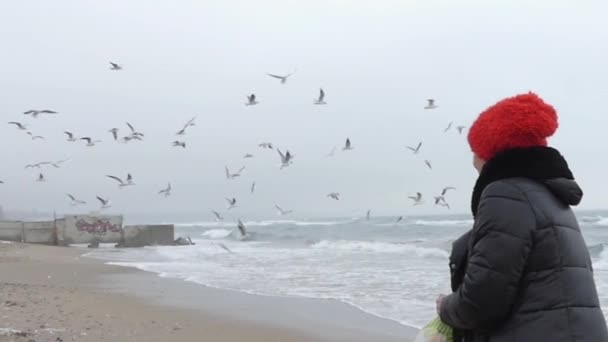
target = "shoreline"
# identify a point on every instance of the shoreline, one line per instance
(46, 282)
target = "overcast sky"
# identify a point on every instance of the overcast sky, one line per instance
(378, 62)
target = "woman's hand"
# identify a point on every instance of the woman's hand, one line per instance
(438, 303)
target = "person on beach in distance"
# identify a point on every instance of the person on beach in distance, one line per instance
(523, 272)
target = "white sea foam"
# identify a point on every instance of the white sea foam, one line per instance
(602, 222)
(380, 247)
(217, 233)
(444, 222)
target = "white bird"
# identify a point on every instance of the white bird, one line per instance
(71, 136)
(321, 99)
(417, 199)
(115, 66)
(231, 203)
(19, 125)
(122, 183)
(188, 124)
(177, 143)
(114, 132)
(448, 128)
(460, 128)
(248, 156)
(41, 178)
(233, 175)
(218, 217)
(34, 137)
(166, 191)
(266, 145)
(282, 78)
(347, 145)
(37, 165)
(415, 150)
(368, 215)
(35, 112)
(446, 189)
(334, 195)
(253, 187)
(75, 201)
(105, 203)
(428, 163)
(135, 134)
(242, 228)
(286, 159)
(90, 141)
(431, 104)
(251, 100)
(283, 212)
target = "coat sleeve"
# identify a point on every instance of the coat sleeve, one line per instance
(502, 240)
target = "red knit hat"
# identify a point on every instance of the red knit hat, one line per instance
(521, 121)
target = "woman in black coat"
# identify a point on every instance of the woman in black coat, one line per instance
(523, 273)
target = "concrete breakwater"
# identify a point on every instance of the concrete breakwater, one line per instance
(87, 229)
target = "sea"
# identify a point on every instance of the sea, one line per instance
(390, 269)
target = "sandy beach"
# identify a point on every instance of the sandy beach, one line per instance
(55, 294)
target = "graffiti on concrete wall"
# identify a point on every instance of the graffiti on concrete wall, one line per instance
(98, 226)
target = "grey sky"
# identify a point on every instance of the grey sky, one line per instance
(378, 62)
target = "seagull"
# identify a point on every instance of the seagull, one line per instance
(105, 203)
(446, 189)
(282, 78)
(18, 125)
(428, 163)
(37, 165)
(121, 183)
(253, 187)
(233, 175)
(439, 199)
(181, 132)
(399, 219)
(347, 145)
(431, 104)
(179, 143)
(283, 212)
(286, 159)
(266, 145)
(225, 248)
(41, 178)
(448, 128)
(368, 215)
(135, 133)
(35, 112)
(248, 155)
(415, 150)
(460, 128)
(188, 124)
(34, 137)
(417, 199)
(115, 66)
(166, 191)
(242, 228)
(75, 201)
(57, 163)
(71, 137)
(90, 141)
(231, 202)
(334, 195)
(321, 99)
(332, 153)
(114, 132)
(218, 217)
(251, 101)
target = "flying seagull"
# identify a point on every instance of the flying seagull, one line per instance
(399, 219)
(428, 163)
(248, 155)
(122, 183)
(233, 175)
(286, 159)
(266, 145)
(35, 112)
(18, 125)
(231, 202)
(114, 132)
(242, 228)
(283, 212)
(321, 99)
(417, 199)
(34, 137)
(225, 248)
(431, 104)
(71, 137)
(56, 164)
(75, 201)
(135, 133)
(334, 195)
(177, 143)
(448, 128)
(415, 150)
(115, 66)
(251, 100)
(105, 203)
(90, 141)
(439, 199)
(218, 217)
(41, 178)
(460, 128)
(282, 78)
(188, 124)
(446, 189)
(253, 187)
(347, 145)
(166, 191)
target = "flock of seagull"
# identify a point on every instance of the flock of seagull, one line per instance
(286, 157)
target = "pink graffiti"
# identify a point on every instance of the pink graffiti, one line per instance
(98, 227)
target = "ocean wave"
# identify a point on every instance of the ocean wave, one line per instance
(444, 222)
(380, 247)
(294, 223)
(203, 224)
(601, 263)
(217, 233)
(601, 222)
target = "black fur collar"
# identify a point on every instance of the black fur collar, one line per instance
(538, 163)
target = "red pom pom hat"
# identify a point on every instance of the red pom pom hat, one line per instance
(520, 121)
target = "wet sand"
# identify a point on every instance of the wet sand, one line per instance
(55, 294)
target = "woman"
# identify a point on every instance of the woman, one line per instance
(523, 273)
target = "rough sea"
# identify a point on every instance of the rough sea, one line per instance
(388, 269)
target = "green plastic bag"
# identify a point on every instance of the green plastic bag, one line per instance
(435, 331)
